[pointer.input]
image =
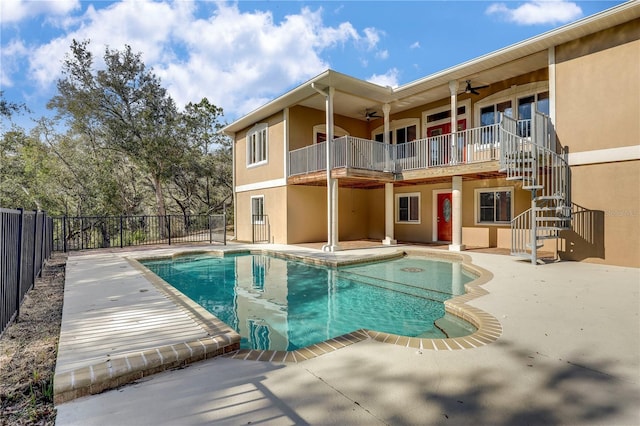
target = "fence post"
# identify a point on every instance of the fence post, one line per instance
(169, 227)
(121, 233)
(35, 246)
(19, 274)
(210, 232)
(42, 239)
(64, 233)
(224, 226)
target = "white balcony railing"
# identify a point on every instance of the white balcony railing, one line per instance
(347, 151)
(475, 145)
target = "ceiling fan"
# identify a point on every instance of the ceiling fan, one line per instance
(473, 90)
(370, 114)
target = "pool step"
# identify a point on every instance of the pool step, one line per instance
(454, 326)
(413, 290)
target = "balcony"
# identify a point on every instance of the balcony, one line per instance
(366, 159)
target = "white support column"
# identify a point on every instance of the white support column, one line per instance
(552, 93)
(332, 184)
(386, 109)
(388, 215)
(456, 214)
(453, 90)
(388, 187)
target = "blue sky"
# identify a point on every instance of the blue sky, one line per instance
(242, 54)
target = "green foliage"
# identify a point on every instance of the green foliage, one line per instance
(8, 108)
(118, 145)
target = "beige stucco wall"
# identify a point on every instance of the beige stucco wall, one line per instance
(609, 231)
(598, 90)
(274, 167)
(354, 213)
(375, 208)
(476, 235)
(275, 207)
(303, 119)
(361, 214)
(598, 108)
(306, 214)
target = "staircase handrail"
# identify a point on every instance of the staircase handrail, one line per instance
(531, 158)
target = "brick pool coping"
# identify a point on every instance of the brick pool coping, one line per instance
(222, 340)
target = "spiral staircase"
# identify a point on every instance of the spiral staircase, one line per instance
(532, 156)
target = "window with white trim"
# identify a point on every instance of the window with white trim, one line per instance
(494, 205)
(257, 145)
(400, 132)
(257, 209)
(541, 100)
(515, 102)
(320, 133)
(408, 208)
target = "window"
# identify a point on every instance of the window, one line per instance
(443, 115)
(257, 145)
(257, 209)
(494, 205)
(516, 102)
(524, 111)
(404, 135)
(408, 208)
(260, 266)
(491, 113)
(379, 137)
(258, 333)
(400, 132)
(320, 133)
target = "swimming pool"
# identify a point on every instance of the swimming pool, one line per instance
(282, 304)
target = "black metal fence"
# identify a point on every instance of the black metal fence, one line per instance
(25, 245)
(260, 228)
(91, 232)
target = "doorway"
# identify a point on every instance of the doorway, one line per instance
(443, 216)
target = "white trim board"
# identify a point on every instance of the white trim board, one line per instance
(261, 185)
(609, 155)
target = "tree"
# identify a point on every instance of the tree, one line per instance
(124, 108)
(8, 108)
(126, 148)
(202, 181)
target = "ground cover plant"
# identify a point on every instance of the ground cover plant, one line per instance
(28, 350)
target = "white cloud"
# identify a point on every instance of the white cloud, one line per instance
(17, 10)
(538, 12)
(390, 78)
(372, 37)
(238, 60)
(415, 45)
(382, 54)
(10, 57)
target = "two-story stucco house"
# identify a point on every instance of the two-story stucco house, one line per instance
(539, 141)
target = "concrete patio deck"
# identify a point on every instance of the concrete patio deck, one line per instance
(569, 353)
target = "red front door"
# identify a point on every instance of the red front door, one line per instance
(444, 217)
(445, 128)
(440, 149)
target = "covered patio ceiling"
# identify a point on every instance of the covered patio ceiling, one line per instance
(355, 103)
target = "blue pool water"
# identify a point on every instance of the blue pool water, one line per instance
(283, 304)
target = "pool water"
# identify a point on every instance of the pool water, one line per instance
(280, 304)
